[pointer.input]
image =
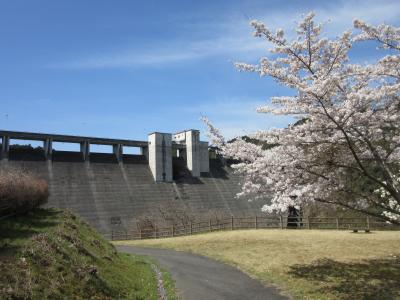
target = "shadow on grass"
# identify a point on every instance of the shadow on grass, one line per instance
(368, 279)
(15, 230)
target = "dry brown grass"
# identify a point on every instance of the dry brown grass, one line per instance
(306, 264)
(21, 191)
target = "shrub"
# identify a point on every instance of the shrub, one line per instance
(21, 192)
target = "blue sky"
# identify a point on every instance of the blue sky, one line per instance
(124, 69)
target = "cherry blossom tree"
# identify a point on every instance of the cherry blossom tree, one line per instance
(346, 148)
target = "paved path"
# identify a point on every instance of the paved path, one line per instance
(201, 278)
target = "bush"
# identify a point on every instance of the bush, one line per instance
(21, 192)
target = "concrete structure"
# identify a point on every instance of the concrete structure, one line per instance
(193, 152)
(158, 149)
(196, 152)
(83, 141)
(160, 156)
(204, 158)
(118, 151)
(48, 148)
(144, 151)
(5, 146)
(114, 190)
(85, 149)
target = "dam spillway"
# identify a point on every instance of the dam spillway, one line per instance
(111, 190)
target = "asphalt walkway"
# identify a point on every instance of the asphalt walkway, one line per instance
(200, 278)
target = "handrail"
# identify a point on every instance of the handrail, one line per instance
(253, 222)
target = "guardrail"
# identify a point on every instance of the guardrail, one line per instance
(235, 223)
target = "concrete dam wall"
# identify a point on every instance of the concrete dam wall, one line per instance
(111, 193)
(103, 190)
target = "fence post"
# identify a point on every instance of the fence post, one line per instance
(337, 223)
(191, 228)
(368, 223)
(112, 235)
(255, 222)
(173, 230)
(155, 231)
(308, 222)
(209, 225)
(140, 233)
(281, 221)
(231, 222)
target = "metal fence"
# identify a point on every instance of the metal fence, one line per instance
(235, 223)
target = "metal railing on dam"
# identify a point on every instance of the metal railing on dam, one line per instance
(239, 223)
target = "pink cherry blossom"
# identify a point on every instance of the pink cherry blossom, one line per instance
(347, 146)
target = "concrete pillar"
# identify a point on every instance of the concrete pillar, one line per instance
(212, 153)
(48, 148)
(85, 150)
(193, 152)
(175, 152)
(144, 151)
(118, 151)
(182, 153)
(160, 156)
(5, 147)
(204, 157)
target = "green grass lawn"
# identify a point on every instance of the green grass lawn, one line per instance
(50, 254)
(305, 264)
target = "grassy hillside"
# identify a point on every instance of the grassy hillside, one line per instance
(50, 254)
(306, 264)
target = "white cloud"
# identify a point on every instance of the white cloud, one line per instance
(226, 107)
(246, 125)
(127, 59)
(337, 16)
(231, 37)
(369, 11)
(236, 116)
(175, 53)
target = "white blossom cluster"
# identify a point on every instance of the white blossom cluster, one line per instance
(393, 204)
(349, 129)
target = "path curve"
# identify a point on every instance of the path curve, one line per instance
(200, 278)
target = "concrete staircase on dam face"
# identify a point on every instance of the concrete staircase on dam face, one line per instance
(213, 192)
(108, 194)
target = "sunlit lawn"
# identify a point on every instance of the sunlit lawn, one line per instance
(306, 264)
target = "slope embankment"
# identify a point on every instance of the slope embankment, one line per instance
(51, 254)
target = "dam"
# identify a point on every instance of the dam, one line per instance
(116, 190)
